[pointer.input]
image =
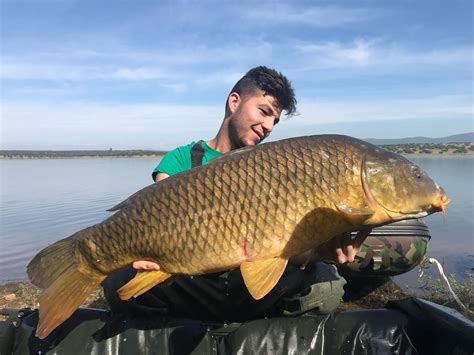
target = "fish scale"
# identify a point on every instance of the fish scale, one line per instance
(254, 208)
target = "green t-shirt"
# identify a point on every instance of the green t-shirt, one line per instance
(179, 159)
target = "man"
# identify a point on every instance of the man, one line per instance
(253, 108)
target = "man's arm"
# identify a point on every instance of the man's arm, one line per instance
(160, 176)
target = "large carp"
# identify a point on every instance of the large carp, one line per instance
(253, 208)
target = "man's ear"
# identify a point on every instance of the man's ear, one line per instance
(233, 102)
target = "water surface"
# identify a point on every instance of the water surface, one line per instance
(44, 200)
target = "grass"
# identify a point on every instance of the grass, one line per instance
(436, 291)
(370, 293)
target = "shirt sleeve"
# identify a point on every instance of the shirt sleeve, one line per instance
(174, 162)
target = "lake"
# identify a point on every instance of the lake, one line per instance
(44, 200)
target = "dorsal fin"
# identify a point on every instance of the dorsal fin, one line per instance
(231, 154)
(129, 199)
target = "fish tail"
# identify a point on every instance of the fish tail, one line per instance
(67, 283)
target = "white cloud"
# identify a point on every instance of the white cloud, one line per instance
(379, 55)
(140, 73)
(76, 72)
(203, 64)
(182, 68)
(338, 54)
(322, 16)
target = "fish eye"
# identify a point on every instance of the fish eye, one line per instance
(417, 173)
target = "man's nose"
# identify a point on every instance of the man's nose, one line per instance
(267, 126)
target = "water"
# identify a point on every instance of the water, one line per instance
(46, 200)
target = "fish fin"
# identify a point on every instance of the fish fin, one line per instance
(142, 282)
(122, 204)
(62, 298)
(66, 282)
(132, 198)
(355, 215)
(117, 207)
(232, 153)
(261, 276)
(43, 269)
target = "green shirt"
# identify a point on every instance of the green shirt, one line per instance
(179, 159)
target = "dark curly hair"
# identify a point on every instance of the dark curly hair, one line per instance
(272, 83)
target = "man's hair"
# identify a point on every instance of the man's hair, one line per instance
(271, 83)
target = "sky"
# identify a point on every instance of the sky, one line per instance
(141, 74)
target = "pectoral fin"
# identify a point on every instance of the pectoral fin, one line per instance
(142, 282)
(355, 215)
(261, 276)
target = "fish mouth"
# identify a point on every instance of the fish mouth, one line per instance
(439, 205)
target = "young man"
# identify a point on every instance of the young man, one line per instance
(253, 108)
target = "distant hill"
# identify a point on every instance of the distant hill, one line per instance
(457, 138)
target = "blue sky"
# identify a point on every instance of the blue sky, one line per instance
(155, 74)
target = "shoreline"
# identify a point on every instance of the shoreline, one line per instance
(78, 154)
(3, 157)
(438, 150)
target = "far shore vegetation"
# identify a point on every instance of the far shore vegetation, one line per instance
(446, 149)
(432, 149)
(57, 154)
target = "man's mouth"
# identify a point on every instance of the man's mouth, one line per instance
(260, 135)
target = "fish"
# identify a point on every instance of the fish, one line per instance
(253, 209)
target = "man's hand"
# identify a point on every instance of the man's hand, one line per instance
(145, 265)
(341, 249)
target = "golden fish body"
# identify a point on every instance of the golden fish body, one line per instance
(253, 208)
(244, 206)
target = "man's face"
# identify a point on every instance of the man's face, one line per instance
(252, 118)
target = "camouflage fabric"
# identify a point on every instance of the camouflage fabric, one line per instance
(388, 253)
